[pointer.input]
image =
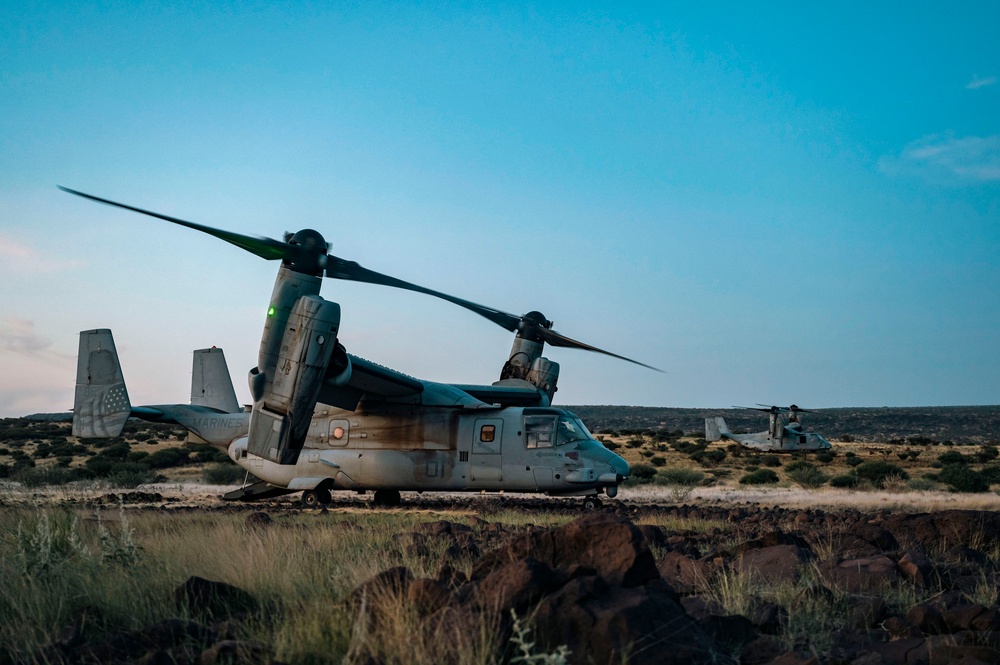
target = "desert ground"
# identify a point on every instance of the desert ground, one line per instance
(119, 561)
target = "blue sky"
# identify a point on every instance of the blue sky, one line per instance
(781, 204)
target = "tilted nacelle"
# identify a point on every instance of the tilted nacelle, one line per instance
(285, 396)
(527, 364)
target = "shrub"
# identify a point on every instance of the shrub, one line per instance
(634, 442)
(991, 473)
(166, 458)
(805, 474)
(224, 474)
(770, 460)
(844, 482)
(825, 457)
(760, 477)
(960, 478)
(130, 474)
(658, 460)
(878, 471)
(735, 450)
(715, 456)
(847, 438)
(920, 484)
(642, 473)
(987, 454)
(952, 457)
(685, 477)
(49, 475)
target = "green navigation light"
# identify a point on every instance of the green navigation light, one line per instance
(270, 311)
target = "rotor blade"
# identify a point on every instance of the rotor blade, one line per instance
(753, 408)
(266, 248)
(557, 339)
(349, 270)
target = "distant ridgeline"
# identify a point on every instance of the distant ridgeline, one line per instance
(912, 425)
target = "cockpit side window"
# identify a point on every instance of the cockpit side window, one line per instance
(571, 430)
(539, 431)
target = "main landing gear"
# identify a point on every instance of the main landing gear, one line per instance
(592, 503)
(386, 498)
(316, 498)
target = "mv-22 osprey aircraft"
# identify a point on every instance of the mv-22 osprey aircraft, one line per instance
(323, 419)
(779, 437)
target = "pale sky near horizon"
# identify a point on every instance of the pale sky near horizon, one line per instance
(798, 203)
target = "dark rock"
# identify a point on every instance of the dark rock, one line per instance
(218, 600)
(236, 652)
(599, 622)
(609, 544)
(857, 575)
(971, 617)
(684, 574)
(427, 596)
(912, 651)
(761, 651)
(916, 567)
(868, 612)
(389, 584)
(451, 578)
(517, 585)
(928, 619)
(654, 535)
(770, 618)
(730, 632)
(898, 628)
(792, 658)
(773, 563)
(257, 520)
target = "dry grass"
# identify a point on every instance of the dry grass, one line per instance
(303, 567)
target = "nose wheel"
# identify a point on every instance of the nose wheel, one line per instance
(592, 503)
(316, 498)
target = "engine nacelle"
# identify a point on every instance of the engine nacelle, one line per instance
(284, 398)
(544, 375)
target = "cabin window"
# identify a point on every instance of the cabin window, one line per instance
(487, 433)
(539, 431)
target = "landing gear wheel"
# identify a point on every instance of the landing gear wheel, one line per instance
(592, 503)
(386, 498)
(313, 498)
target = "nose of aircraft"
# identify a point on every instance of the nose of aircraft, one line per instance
(620, 466)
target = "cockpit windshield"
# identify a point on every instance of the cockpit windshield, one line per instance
(548, 430)
(571, 430)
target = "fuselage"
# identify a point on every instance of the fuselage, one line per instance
(386, 445)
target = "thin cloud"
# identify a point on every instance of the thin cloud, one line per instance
(980, 82)
(970, 159)
(22, 259)
(19, 336)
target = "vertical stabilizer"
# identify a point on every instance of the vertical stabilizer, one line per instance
(715, 428)
(211, 384)
(100, 406)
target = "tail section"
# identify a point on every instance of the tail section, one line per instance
(101, 405)
(715, 428)
(211, 384)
